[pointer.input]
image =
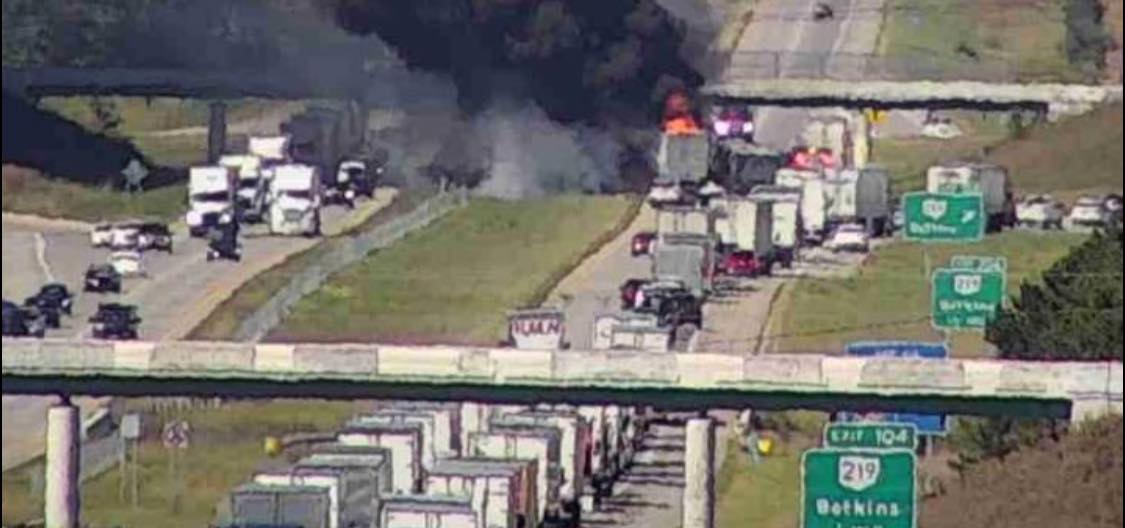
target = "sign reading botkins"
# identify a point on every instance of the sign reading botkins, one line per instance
(943, 217)
(537, 329)
(858, 488)
(966, 299)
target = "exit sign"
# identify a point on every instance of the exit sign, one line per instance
(871, 435)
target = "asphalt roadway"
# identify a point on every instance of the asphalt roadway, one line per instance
(181, 289)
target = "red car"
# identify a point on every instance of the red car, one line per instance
(629, 292)
(642, 243)
(742, 264)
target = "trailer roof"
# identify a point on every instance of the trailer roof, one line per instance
(342, 460)
(477, 467)
(428, 503)
(253, 488)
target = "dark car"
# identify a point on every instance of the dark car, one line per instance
(629, 292)
(60, 295)
(673, 307)
(155, 235)
(642, 243)
(102, 279)
(48, 310)
(20, 322)
(115, 321)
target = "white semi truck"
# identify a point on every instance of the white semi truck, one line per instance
(253, 187)
(991, 181)
(428, 512)
(572, 450)
(539, 444)
(785, 204)
(860, 196)
(501, 491)
(295, 200)
(814, 203)
(211, 198)
(404, 441)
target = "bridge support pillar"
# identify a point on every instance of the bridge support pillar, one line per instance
(63, 445)
(699, 474)
(217, 131)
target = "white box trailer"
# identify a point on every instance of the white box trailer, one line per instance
(538, 444)
(785, 204)
(370, 482)
(573, 449)
(537, 329)
(447, 416)
(753, 227)
(269, 148)
(429, 423)
(989, 180)
(724, 227)
(502, 491)
(684, 220)
(474, 419)
(428, 512)
(859, 196)
(814, 205)
(266, 505)
(337, 483)
(682, 158)
(405, 444)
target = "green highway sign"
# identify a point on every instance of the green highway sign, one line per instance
(979, 263)
(942, 217)
(857, 488)
(966, 299)
(871, 435)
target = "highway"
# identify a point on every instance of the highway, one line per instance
(181, 290)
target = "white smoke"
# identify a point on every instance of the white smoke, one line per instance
(528, 155)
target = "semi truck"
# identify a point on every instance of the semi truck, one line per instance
(405, 443)
(428, 422)
(502, 492)
(295, 200)
(785, 204)
(859, 196)
(684, 220)
(271, 505)
(539, 444)
(352, 492)
(739, 166)
(417, 511)
(991, 181)
(688, 259)
(572, 449)
(211, 198)
(752, 226)
(814, 205)
(253, 188)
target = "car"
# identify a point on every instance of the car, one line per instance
(742, 264)
(20, 322)
(128, 263)
(115, 321)
(43, 307)
(631, 293)
(101, 235)
(1089, 212)
(671, 303)
(125, 236)
(354, 175)
(642, 243)
(59, 295)
(154, 236)
(1040, 211)
(848, 237)
(103, 278)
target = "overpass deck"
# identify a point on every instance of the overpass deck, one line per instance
(666, 380)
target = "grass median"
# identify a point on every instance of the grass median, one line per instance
(453, 282)
(226, 449)
(28, 192)
(1027, 38)
(889, 297)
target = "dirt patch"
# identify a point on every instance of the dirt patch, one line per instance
(1075, 483)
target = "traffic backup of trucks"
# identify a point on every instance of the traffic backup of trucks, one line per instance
(492, 467)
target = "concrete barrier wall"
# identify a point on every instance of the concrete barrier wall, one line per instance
(1095, 382)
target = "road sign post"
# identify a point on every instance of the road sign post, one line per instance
(176, 437)
(965, 299)
(858, 488)
(943, 217)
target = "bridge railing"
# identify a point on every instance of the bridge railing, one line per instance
(755, 65)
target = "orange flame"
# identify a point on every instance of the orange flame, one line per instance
(678, 118)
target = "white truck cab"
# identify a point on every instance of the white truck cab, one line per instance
(211, 192)
(295, 200)
(253, 187)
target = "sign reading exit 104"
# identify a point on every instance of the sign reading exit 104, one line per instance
(871, 435)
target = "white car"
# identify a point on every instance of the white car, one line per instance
(1088, 213)
(128, 263)
(125, 236)
(848, 237)
(101, 235)
(1040, 211)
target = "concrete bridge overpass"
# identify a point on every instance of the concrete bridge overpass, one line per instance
(787, 78)
(671, 381)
